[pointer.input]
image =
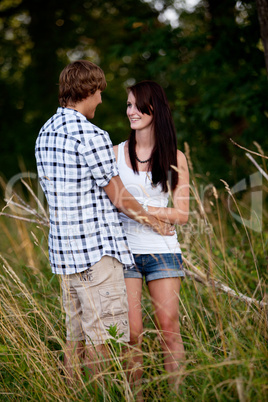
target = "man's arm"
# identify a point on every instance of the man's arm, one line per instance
(127, 204)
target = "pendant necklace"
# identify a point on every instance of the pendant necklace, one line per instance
(147, 160)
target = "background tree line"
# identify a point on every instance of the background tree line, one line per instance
(212, 66)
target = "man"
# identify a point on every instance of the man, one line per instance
(87, 246)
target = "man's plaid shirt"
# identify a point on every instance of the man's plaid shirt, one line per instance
(75, 159)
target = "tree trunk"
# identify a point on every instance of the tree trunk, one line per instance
(262, 7)
(222, 19)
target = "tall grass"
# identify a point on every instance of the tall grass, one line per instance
(225, 336)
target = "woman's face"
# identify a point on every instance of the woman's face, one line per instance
(138, 120)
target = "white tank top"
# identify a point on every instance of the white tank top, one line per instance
(142, 239)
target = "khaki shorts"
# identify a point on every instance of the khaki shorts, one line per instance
(94, 300)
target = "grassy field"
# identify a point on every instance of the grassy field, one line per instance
(224, 333)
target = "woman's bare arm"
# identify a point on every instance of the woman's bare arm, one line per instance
(179, 213)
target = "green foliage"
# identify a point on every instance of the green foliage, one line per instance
(222, 89)
(211, 66)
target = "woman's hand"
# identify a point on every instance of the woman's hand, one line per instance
(161, 227)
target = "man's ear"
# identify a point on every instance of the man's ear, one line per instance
(92, 93)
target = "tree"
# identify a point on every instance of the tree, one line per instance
(222, 86)
(262, 7)
(211, 66)
(38, 40)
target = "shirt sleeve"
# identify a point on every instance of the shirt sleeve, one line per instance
(100, 157)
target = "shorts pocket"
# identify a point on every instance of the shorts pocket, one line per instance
(113, 301)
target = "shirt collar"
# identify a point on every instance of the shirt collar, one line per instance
(66, 110)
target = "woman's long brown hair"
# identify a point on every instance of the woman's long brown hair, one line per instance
(151, 99)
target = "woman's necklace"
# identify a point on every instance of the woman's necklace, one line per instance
(147, 160)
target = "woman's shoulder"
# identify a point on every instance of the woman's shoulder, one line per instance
(181, 158)
(117, 147)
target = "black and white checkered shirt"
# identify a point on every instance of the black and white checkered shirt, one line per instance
(75, 159)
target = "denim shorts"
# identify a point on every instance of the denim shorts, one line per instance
(156, 266)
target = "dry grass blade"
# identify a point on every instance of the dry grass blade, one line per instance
(223, 324)
(248, 150)
(257, 166)
(36, 199)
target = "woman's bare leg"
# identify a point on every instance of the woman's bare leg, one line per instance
(164, 294)
(135, 363)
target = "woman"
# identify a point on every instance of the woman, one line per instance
(152, 169)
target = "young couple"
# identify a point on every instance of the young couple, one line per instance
(110, 224)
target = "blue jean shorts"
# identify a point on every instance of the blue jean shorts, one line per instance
(156, 266)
